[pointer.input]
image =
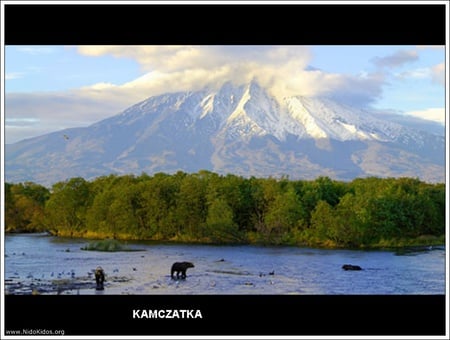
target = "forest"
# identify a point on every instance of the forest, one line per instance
(206, 207)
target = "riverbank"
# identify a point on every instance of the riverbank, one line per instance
(115, 240)
(252, 239)
(84, 285)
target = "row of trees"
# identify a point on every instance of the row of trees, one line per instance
(207, 207)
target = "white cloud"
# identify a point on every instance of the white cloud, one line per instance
(178, 58)
(21, 121)
(283, 70)
(431, 47)
(36, 50)
(396, 59)
(31, 114)
(418, 73)
(14, 75)
(182, 68)
(438, 74)
(433, 114)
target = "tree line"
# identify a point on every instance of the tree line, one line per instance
(223, 209)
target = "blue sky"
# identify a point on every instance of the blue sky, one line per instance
(49, 88)
(58, 68)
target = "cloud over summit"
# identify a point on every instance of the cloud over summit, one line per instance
(283, 70)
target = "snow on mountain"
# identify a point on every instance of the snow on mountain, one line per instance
(234, 129)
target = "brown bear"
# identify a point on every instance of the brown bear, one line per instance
(180, 267)
(99, 278)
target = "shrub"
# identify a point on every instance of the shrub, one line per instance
(105, 245)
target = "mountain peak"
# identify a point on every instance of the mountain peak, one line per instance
(239, 129)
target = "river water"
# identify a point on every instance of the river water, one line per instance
(42, 264)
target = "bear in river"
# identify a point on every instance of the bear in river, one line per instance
(99, 278)
(180, 267)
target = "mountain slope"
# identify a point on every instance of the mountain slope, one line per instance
(236, 129)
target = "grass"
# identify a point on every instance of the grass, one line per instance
(423, 240)
(106, 245)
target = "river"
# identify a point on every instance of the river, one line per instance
(42, 264)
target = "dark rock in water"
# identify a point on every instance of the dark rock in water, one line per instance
(269, 273)
(351, 267)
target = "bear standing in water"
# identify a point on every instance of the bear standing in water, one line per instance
(99, 278)
(180, 267)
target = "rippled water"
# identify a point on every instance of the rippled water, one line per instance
(50, 265)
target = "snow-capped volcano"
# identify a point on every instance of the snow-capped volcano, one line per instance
(234, 129)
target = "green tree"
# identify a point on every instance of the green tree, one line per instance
(67, 206)
(321, 189)
(285, 215)
(433, 204)
(351, 227)
(24, 206)
(98, 218)
(323, 224)
(159, 206)
(205, 206)
(220, 226)
(191, 206)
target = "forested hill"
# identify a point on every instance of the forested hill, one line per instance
(210, 208)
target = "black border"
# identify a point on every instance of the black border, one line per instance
(359, 24)
(68, 24)
(233, 315)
